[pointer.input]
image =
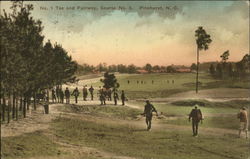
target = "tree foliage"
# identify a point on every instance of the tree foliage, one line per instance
(148, 67)
(27, 65)
(110, 81)
(193, 66)
(224, 57)
(202, 39)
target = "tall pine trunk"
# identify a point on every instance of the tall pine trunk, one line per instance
(9, 106)
(13, 106)
(3, 108)
(16, 108)
(28, 103)
(21, 104)
(197, 71)
(24, 107)
(48, 95)
(1, 104)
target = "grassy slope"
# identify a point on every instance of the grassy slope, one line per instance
(119, 112)
(130, 141)
(126, 140)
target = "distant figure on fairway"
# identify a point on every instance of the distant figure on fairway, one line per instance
(196, 116)
(123, 97)
(116, 97)
(109, 94)
(84, 93)
(103, 97)
(91, 91)
(148, 112)
(61, 96)
(152, 81)
(67, 95)
(243, 116)
(53, 95)
(76, 94)
(128, 81)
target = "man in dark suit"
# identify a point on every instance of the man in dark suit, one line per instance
(148, 112)
(196, 116)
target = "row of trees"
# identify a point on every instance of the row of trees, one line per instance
(28, 66)
(121, 68)
(231, 70)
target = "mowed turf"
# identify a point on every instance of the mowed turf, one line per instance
(157, 85)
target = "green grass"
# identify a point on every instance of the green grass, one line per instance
(120, 112)
(228, 84)
(28, 145)
(228, 122)
(204, 103)
(134, 142)
(171, 110)
(184, 108)
(225, 122)
(161, 88)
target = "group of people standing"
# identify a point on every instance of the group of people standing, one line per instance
(106, 94)
(58, 95)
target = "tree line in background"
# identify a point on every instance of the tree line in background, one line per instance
(231, 70)
(121, 68)
(148, 68)
(28, 66)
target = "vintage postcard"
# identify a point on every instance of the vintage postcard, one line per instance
(125, 79)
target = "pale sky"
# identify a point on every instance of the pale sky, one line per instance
(138, 36)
